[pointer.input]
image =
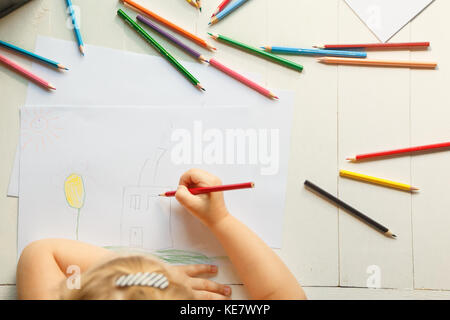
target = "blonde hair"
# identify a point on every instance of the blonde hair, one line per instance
(99, 283)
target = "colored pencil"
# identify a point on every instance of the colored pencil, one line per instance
(349, 209)
(257, 51)
(199, 5)
(76, 28)
(402, 151)
(374, 180)
(246, 185)
(225, 12)
(374, 46)
(193, 3)
(24, 72)
(315, 52)
(189, 50)
(221, 6)
(32, 55)
(160, 49)
(379, 63)
(169, 24)
(216, 64)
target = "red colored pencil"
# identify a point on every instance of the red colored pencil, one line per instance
(400, 151)
(221, 7)
(26, 73)
(375, 45)
(203, 190)
(216, 64)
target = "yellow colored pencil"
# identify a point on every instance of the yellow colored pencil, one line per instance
(193, 3)
(379, 181)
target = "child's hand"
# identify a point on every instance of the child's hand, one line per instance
(209, 208)
(203, 289)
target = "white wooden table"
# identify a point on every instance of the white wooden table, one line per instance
(339, 111)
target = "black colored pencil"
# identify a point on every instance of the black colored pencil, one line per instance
(350, 209)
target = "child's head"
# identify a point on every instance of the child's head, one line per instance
(100, 281)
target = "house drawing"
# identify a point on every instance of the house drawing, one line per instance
(146, 217)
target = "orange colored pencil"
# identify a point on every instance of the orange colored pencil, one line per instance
(169, 24)
(379, 63)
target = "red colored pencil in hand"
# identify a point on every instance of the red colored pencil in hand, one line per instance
(221, 7)
(203, 190)
(399, 151)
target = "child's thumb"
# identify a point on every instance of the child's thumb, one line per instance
(185, 198)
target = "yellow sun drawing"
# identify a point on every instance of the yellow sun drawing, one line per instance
(39, 127)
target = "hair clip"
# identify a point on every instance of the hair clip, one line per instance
(155, 280)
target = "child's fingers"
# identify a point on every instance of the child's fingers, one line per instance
(206, 295)
(199, 178)
(187, 199)
(210, 286)
(193, 270)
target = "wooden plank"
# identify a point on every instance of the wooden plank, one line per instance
(310, 242)
(339, 293)
(373, 114)
(430, 114)
(8, 293)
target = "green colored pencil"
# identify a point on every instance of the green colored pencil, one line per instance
(260, 52)
(160, 49)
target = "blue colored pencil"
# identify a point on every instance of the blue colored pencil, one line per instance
(32, 55)
(229, 9)
(75, 27)
(315, 52)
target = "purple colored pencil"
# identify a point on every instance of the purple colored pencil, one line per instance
(192, 52)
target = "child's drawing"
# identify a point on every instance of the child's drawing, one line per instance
(145, 221)
(74, 191)
(39, 128)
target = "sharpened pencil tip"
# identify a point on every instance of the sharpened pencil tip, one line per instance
(50, 86)
(351, 159)
(82, 50)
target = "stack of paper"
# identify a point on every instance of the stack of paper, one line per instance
(93, 172)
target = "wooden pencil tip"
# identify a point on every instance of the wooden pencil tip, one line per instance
(273, 96)
(161, 195)
(414, 189)
(50, 86)
(253, 184)
(351, 159)
(200, 87)
(82, 50)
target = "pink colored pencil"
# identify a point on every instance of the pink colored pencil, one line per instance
(203, 190)
(25, 72)
(216, 64)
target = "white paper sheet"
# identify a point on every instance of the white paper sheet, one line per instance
(114, 77)
(125, 156)
(386, 17)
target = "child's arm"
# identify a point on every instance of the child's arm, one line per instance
(43, 265)
(261, 270)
